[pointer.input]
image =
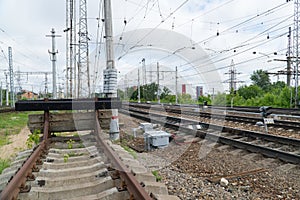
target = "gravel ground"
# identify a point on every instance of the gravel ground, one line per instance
(192, 170)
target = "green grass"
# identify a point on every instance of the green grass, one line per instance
(10, 124)
(130, 151)
(157, 176)
(4, 163)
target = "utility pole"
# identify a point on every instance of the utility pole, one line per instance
(1, 97)
(296, 46)
(46, 85)
(126, 86)
(144, 71)
(139, 89)
(288, 77)
(176, 85)
(110, 73)
(53, 59)
(71, 51)
(84, 88)
(232, 77)
(7, 99)
(11, 78)
(158, 93)
(19, 81)
(68, 10)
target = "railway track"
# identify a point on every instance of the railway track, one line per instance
(189, 112)
(283, 148)
(246, 109)
(87, 166)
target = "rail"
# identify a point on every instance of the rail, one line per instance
(133, 186)
(17, 183)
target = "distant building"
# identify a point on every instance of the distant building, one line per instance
(199, 91)
(27, 95)
(183, 89)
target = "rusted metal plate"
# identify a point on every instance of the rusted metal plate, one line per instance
(68, 104)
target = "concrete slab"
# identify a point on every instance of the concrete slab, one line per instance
(68, 191)
(129, 161)
(155, 187)
(252, 156)
(68, 164)
(19, 161)
(72, 171)
(12, 168)
(73, 150)
(72, 179)
(24, 153)
(224, 147)
(138, 169)
(267, 161)
(237, 152)
(165, 197)
(145, 177)
(286, 167)
(60, 158)
(6, 176)
(110, 194)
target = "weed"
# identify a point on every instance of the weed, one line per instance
(4, 163)
(76, 135)
(12, 123)
(70, 143)
(157, 176)
(130, 151)
(72, 154)
(66, 157)
(33, 138)
(81, 145)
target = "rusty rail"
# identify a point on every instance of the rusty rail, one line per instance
(133, 186)
(17, 183)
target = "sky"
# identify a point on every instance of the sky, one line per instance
(227, 31)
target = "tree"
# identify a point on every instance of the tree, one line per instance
(220, 99)
(147, 92)
(121, 94)
(261, 79)
(165, 92)
(252, 91)
(201, 100)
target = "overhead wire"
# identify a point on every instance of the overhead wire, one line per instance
(243, 22)
(151, 31)
(98, 44)
(231, 56)
(243, 43)
(239, 24)
(193, 19)
(16, 50)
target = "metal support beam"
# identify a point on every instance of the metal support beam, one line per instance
(68, 104)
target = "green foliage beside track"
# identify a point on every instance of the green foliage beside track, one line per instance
(260, 93)
(10, 124)
(4, 163)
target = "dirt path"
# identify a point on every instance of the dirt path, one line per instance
(18, 143)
